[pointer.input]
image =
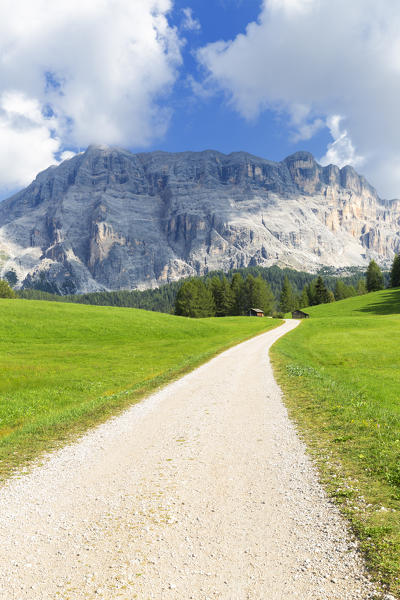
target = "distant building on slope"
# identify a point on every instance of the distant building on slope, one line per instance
(255, 312)
(299, 314)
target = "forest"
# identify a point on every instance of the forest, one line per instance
(273, 289)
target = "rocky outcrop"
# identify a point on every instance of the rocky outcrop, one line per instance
(110, 219)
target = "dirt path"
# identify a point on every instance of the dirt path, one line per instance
(201, 491)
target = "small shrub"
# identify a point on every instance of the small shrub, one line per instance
(5, 290)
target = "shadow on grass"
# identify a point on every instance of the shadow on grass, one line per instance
(388, 304)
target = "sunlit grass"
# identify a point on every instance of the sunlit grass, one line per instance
(64, 367)
(341, 377)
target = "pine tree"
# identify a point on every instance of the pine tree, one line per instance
(227, 297)
(344, 291)
(223, 296)
(340, 290)
(321, 292)
(350, 291)
(239, 301)
(184, 299)
(286, 301)
(361, 287)
(374, 277)
(5, 290)
(266, 298)
(330, 296)
(258, 294)
(395, 272)
(304, 299)
(194, 299)
(312, 292)
(215, 286)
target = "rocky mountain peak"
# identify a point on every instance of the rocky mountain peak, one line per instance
(110, 219)
(301, 159)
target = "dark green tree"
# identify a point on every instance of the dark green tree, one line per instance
(239, 300)
(304, 299)
(227, 297)
(361, 287)
(258, 294)
(321, 292)
(312, 292)
(223, 296)
(214, 285)
(374, 277)
(395, 272)
(287, 300)
(351, 291)
(194, 299)
(5, 290)
(343, 291)
(340, 290)
(330, 296)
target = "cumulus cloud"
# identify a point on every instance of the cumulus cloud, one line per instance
(27, 144)
(330, 58)
(303, 124)
(341, 151)
(75, 72)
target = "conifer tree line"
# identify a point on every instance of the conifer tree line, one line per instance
(217, 297)
(374, 277)
(272, 289)
(238, 296)
(220, 297)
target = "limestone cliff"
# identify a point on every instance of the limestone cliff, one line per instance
(110, 219)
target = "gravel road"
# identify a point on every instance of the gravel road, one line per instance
(201, 491)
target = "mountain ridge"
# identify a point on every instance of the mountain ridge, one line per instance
(111, 219)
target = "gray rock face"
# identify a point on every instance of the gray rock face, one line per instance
(110, 219)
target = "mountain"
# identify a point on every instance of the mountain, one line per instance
(110, 219)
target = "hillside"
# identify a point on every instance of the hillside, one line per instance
(340, 374)
(108, 219)
(64, 367)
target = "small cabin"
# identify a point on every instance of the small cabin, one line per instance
(299, 314)
(255, 312)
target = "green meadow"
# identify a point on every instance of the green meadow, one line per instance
(65, 367)
(340, 372)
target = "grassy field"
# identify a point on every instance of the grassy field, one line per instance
(64, 367)
(340, 371)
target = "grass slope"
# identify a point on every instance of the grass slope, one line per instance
(64, 367)
(341, 378)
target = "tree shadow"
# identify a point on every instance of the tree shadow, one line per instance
(386, 304)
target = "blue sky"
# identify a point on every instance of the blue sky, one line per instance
(211, 123)
(266, 76)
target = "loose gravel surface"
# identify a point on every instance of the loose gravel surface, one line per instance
(201, 491)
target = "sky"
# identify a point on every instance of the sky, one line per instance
(269, 77)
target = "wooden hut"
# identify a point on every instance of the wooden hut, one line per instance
(299, 314)
(256, 312)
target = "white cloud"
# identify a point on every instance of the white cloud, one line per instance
(26, 144)
(305, 126)
(341, 151)
(67, 154)
(75, 72)
(331, 58)
(189, 22)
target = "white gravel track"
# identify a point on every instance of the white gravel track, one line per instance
(203, 490)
